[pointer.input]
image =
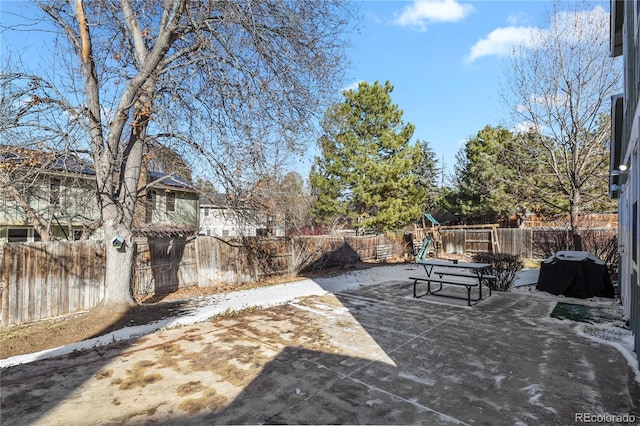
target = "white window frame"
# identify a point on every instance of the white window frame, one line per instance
(32, 235)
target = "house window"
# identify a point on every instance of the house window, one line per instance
(151, 199)
(54, 191)
(171, 201)
(206, 212)
(225, 232)
(262, 232)
(17, 235)
(150, 206)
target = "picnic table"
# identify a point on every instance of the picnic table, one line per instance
(448, 272)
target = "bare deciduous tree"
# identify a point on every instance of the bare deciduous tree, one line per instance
(560, 85)
(229, 85)
(31, 131)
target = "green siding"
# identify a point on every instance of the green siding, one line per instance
(185, 212)
(76, 204)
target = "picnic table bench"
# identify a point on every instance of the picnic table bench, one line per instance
(443, 272)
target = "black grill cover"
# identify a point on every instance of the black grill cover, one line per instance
(575, 274)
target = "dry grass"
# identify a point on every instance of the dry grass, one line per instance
(52, 333)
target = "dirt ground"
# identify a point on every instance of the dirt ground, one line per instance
(42, 335)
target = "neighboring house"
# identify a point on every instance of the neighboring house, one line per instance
(63, 191)
(172, 201)
(624, 173)
(217, 219)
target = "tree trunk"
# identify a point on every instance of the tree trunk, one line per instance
(576, 239)
(119, 268)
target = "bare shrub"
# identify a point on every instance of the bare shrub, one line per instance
(503, 266)
(546, 242)
(602, 243)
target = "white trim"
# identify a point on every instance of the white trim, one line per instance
(30, 233)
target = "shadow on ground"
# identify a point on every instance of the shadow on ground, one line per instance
(372, 354)
(503, 361)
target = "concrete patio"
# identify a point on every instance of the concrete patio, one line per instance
(369, 355)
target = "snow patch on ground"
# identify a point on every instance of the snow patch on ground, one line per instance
(613, 335)
(211, 306)
(526, 277)
(535, 393)
(263, 297)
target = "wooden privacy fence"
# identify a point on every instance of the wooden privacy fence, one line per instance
(44, 280)
(222, 260)
(163, 265)
(250, 259)
(475, 240)
(531, 243)
(49, 279)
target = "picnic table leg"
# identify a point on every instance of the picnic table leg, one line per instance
(488, 280)
(489, 285)
(415, 285)
(480, 275)
(427, 270)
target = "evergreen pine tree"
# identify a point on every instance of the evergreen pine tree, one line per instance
(366, 171)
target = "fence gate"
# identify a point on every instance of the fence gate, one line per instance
(164, 265)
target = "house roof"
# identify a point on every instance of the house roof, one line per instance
(72, 163)
(169, 180)
(61, 162)
(151, 230)
(213, 199)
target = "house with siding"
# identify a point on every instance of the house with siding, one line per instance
(171, 200)
(624, 178)
(59, 187)
(62, 190)
(218, 218)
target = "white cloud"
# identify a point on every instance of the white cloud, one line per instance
(518, 19)
(524, 127)
(571, 26)
(501, 41)
(353, 86)
(555, 99)
(421, 13)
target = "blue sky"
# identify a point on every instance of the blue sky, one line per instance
(446, 60)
